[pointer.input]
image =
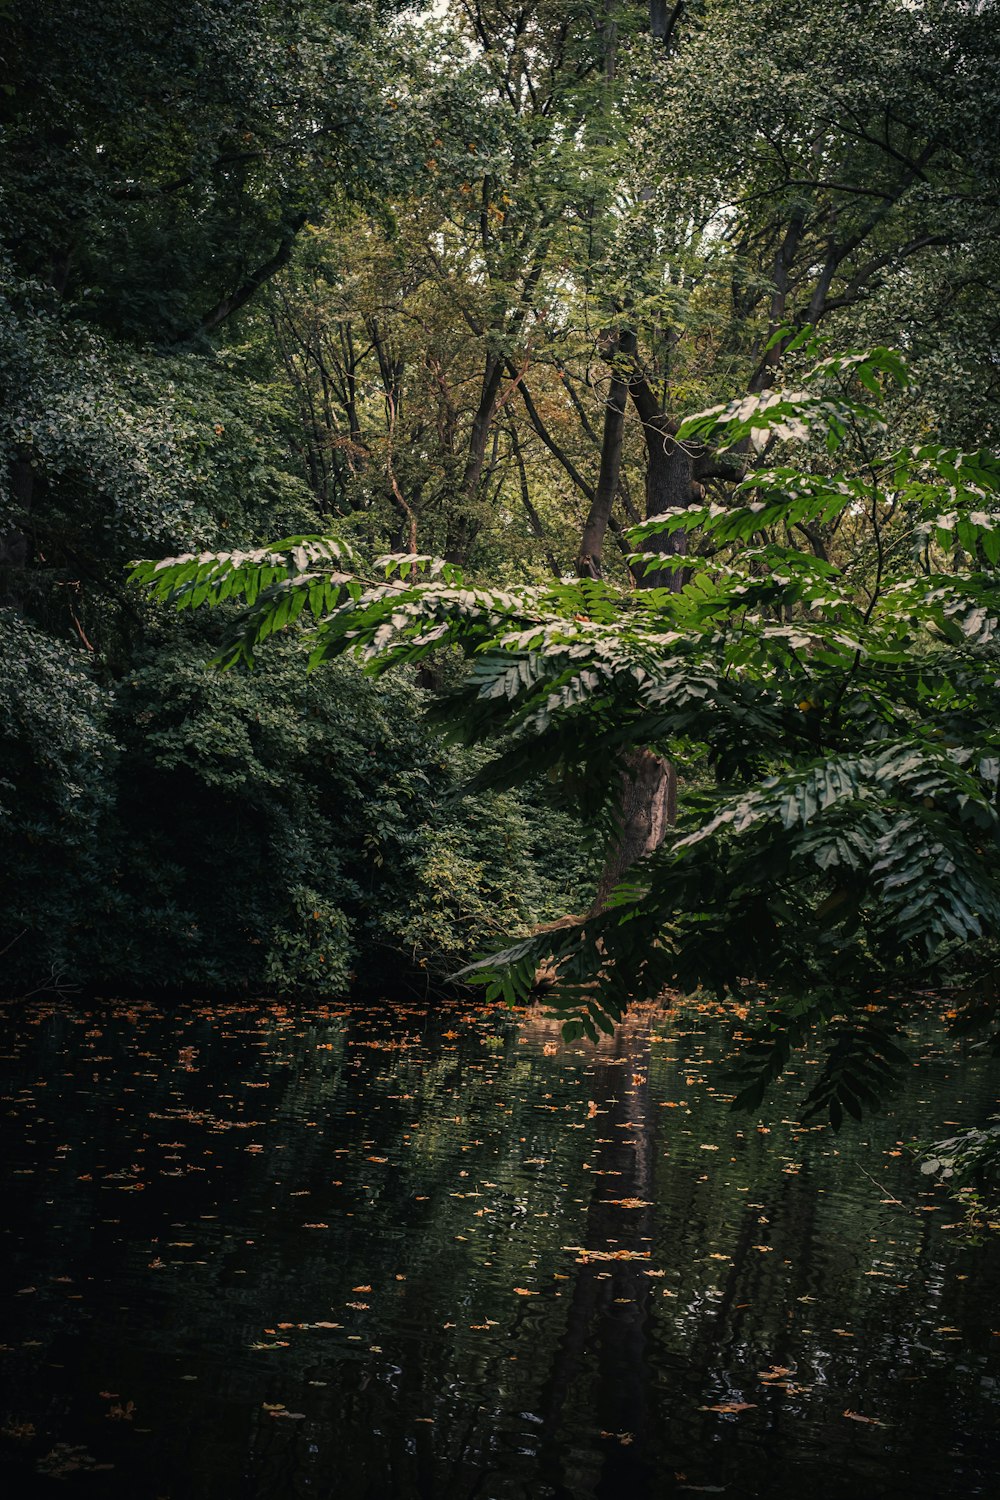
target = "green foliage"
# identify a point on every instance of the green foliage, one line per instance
(57, 762)
(849, 843)
(274, 832)
(414, 227)
(973, 1155)
(159, 161)
(130, 447)
(969, 1163)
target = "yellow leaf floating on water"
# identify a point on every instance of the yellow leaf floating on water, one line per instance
(523, 1291)
(855, 1416)
(729, 1407)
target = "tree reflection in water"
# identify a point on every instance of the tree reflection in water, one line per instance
(261, 1254)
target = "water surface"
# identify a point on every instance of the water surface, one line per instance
(262, 1253)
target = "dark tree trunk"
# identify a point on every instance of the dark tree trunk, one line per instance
(648, 793)
(463, 526)
(647, 808)
(669, 486)
(588, 563)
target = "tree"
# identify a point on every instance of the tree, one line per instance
(779, 181)
(159, 162)
(839, 716)
(159, 165)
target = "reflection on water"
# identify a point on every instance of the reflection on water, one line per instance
(260, 1253)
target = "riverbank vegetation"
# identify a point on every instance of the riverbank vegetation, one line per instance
(624, 377)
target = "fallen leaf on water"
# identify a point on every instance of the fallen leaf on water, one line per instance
(588, 1255)
(523, 1291)
(730, 1406)
(855, 1416)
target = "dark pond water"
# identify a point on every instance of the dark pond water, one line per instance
(264, 1254)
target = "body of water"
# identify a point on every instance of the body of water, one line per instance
(263, 1253)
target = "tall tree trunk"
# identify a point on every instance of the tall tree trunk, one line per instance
(669, 486)
(463, 526)
(588, 562)
(647, 807)
(648, 793)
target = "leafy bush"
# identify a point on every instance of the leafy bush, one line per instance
(57, 765)
(268, 831)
